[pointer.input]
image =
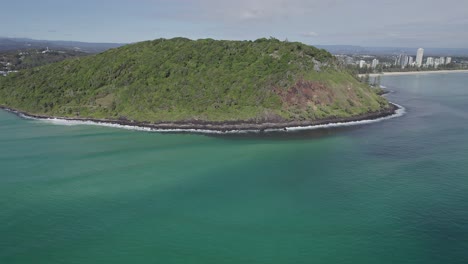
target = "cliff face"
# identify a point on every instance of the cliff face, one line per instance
(205, 80)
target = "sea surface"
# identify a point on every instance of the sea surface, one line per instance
(394, 191)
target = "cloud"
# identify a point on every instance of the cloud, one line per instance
(309, 34)
(224, 11)
(241, 10)
(384, 22)
(251, 14)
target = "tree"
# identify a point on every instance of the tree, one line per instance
(376, 82)
(366, 78)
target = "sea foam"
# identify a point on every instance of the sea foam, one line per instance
(399, 112)
(58, 121)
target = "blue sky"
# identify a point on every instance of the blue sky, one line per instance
(400, 23)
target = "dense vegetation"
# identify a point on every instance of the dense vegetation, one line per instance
(181, 79)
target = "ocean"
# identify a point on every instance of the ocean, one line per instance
(394, 191)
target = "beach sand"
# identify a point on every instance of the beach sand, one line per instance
(412, 73)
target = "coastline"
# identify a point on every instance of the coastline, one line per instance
(223, 127)
(411, 73)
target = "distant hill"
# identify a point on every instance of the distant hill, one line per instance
(30, 58)
(11, 44)
(180, 80)
(358, 50)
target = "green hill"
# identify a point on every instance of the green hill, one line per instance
(181, 79)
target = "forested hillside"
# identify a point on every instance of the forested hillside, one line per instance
(181, 79)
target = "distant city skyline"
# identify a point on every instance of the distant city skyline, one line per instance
(383, 24)
(402, 60)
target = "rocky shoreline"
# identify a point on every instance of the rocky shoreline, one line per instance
(227, 126)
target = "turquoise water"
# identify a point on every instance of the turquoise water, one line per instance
(389, 192)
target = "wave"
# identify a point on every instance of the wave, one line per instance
(58, 121)
(398, 113)
(65, 122)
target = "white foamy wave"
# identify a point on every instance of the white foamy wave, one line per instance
(57, 121)
(399, 112)
(65, 122)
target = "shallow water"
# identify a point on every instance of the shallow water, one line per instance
(389, 192)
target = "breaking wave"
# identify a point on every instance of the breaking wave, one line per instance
(57, 121)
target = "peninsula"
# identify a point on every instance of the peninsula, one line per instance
(197, 84)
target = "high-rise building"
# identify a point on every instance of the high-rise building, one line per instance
(410, 61)
(406, 61)
(402, 60)
(419, 57)
(442, 60)
(375, 62)
(448, 60)
(429, 61)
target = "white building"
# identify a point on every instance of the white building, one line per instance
(410, 61)
(405, 61)
(46, 51)
(448, 60)
(419, 57)
(362, 63)
(429, 61)
(442, 60)
(375, 62)
(402, 60)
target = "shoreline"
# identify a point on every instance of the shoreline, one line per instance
(411, 73)
(222, 127)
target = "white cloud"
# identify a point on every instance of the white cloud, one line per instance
(244, 9)
(251, 14)
(309, 34)
(385, 22)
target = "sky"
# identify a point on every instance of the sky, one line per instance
(380, 23)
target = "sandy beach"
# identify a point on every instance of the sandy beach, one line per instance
(412, 73)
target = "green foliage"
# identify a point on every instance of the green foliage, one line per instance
(181, 79)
